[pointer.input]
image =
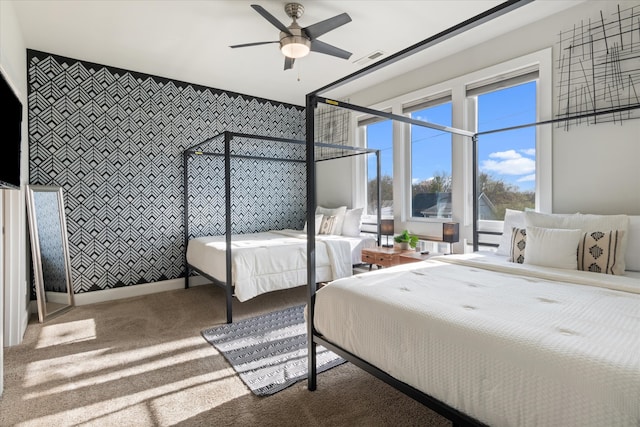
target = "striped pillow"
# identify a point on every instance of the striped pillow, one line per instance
(518, 244)
(326, 226)
(601, 252)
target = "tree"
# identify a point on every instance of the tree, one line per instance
(504, 195)
(386, 193)
(439, 183)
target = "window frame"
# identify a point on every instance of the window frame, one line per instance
(464, 116)
(408, 108)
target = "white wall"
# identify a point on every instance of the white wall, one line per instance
(13, 60)
(594, 167)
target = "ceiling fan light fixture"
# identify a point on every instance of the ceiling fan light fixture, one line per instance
(295, 46)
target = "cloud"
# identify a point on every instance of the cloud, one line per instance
(529, 151)
(527, 178)
(509, 154)
(508, 162)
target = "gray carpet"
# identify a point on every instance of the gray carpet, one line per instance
(269, 352)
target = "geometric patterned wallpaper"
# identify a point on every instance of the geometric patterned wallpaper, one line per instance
(265, 193)
(113, 140)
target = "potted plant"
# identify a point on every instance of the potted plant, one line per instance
(406, 240)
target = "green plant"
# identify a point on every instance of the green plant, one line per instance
(406, 237)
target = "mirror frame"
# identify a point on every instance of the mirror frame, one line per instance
(43, 312)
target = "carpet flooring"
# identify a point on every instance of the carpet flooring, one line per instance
(269, 352)
(142, 362)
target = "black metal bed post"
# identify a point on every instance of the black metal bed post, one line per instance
(185, 175)
(474, 189)
(227, 203)
(311, 103)
(379, 195)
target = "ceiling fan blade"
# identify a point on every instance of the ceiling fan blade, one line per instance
(322, 27)
(269, 17)
(252, 44)
(327, 49)
(288, 63)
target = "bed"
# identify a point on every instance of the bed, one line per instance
(274, 260)
(486, 340)
(244, 197)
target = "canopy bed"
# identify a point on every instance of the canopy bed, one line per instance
(481, 340)
(253, 242)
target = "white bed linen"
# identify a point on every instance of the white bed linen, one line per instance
(269, 261)
(507, 349)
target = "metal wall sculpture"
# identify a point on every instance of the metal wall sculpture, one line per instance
(599, 69)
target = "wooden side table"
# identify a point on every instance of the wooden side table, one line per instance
(413, 256)
(388, 257)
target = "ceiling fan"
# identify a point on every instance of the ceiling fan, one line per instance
(295, 41)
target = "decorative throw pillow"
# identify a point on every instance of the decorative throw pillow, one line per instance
(339, 213)
(553, 247)
(518, 244)
(600, 252)
(351, 224)
(327, 224)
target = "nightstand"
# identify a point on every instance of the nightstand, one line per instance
(388, 257)
(413, 256)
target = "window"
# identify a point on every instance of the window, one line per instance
(433, 168)
(379, 135)
(506, 160)
(431, 160)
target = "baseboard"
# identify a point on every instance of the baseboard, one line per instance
(136, 290)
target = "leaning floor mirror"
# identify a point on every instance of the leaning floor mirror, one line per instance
(49, 250)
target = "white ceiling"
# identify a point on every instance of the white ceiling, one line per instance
(189, 40)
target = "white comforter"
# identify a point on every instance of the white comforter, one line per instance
(507, 348)
(269, 261)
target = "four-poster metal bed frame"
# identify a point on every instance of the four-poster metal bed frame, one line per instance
(312, 100)
(327, 152)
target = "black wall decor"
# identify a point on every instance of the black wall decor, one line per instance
(598, 67)
(113, 139)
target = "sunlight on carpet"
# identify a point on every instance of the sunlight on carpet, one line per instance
(67, 333)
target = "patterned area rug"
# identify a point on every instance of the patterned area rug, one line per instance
(269, 352)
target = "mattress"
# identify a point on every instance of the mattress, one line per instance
(507, 345)
(269, 261)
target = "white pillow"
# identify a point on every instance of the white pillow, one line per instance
(318, 222)
(545, 220)
(632, 256)
(512, 219)
(339, 213)
(553, 247)
(584, 222)
(351, 224)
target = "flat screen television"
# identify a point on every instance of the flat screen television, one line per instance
(10, 135)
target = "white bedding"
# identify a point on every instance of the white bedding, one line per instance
(509, 345)
(269, 261)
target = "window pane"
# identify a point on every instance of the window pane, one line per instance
(431, 164)
(380, 136)
(506, 160)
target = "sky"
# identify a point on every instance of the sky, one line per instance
(508, 155)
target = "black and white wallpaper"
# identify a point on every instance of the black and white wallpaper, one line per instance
(265, 193)
(113, 140)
